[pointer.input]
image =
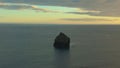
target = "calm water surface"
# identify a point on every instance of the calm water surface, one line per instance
(31, 46)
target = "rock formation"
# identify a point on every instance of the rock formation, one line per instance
(62, 41)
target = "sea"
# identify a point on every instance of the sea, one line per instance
(31, 46)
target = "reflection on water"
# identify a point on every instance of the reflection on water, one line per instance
(62, 58)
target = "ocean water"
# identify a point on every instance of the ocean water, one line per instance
(31, 46)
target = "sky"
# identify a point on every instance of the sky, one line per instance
(60, 11)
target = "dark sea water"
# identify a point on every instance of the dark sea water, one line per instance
(31, 46)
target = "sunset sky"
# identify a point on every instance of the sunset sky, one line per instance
(60, 11)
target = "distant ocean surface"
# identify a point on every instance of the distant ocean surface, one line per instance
(31, 46)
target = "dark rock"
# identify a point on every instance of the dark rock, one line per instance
(62, 41)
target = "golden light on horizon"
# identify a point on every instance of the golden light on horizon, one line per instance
(67, 16)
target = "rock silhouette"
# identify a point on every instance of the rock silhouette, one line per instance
(62, 41)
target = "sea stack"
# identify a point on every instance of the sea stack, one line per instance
(62, 41)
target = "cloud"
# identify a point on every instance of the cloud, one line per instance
(21, 6)
(14, 6)
(86, 19)
(107, 7)
(82, 11)
(88, 13)
(41, 9)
